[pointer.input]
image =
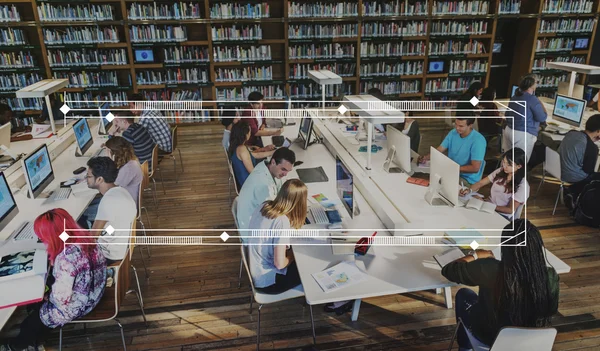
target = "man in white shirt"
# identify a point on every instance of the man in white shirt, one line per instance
(117, 208)
(263, 184)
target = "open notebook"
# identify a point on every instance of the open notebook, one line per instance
(481, 205)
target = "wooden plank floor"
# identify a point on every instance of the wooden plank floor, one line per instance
(193, 303)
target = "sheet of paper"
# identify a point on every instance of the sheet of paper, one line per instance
(448, 256)
(339, 276)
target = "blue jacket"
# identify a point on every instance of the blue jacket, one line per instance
(534, 114)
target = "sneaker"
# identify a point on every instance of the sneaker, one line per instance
(347, 307)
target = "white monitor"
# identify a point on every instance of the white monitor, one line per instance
(345, 185)
(38, 170)
(444, 178)
(8, 206)
(306, 131)
(83, 135)
(401, 143)
(104, 125)
(5, 137)
(514, 90)
(568, 110)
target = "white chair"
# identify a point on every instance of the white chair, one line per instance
(174, 140)
(512, 339)
(231, 176)
(264, 299)
(552, 167)
(234, 213)
(518, 212)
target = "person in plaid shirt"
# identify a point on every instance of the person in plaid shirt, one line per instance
(155, 124)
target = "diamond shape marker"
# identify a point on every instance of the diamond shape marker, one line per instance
(64, 236)
(342, 109)
(474, 245)
(224, 236)
(109, 117)
(110, 230)
(474, 101)
(64, 109)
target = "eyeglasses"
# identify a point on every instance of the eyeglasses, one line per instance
(89, 176)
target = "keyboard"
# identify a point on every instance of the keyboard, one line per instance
(98, 152)
(60, 194)
(318, 213)
(26, 233)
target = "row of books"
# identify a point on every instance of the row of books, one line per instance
(186, 54)
(241, 53)
(540, 63)
(270, 92)
(244, 74)
(554, 44)
(16, 81)
(11, 37)
(574, 25)
(22, 121)
(551, 81)
(157, 34)
(324, 51)
(300, 70)
(9, 13)
(473, 7)
(235, 32)
(456, 47)
(175, 11)
(172, 76)
(173, 95)
(394, 29)
(567, 6)
(448, 84)
(87, 57)
(467, 66)
(86, 79)
(307, 31)
(18, 104)
(392, 88)
(509, 7)
(387, 69)
(394, 8)
(60, 13)
(89, 100)
(408, 48)
(81, 35)
(16, 59)
(322, 9)
(313, 90)
(458, 27)
(237, 10)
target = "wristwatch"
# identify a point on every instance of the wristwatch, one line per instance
(474, 254)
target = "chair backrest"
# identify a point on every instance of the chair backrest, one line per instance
(232, 175)
(234, 206)
(522, 339)
(244, 249)
(132, 235)
(552, 163)
(173, 138)
(518, 211)
(143, 185)
(154, 160)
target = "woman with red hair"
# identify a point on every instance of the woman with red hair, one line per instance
(78, 274)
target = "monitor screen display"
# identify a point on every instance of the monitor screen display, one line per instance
(104, 111)
(436, 66)
(345, 185)
(497, 48)
(7, 201)
(144, 55)
(581, 43)
(514, 90)
(38, 167)
(82, 134)
(569, 110)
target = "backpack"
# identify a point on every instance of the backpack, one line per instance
(586, 210)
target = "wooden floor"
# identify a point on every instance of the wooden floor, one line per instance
(193, 303)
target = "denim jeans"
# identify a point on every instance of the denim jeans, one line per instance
(465, 299)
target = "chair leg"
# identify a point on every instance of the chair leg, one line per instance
(241, 270)
(60, 339)
(154, 194)
(138, 295)
(147, 217)
(122, 334)
(541, 182)
(144, 264)
(251, 300)
(557, 197)
(180, 159)
(312, 324)
(258, 329)
(145, 235)
(175, 169)
(454, 336)
(162, 181)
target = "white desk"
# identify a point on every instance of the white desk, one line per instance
(43, 89)
(29, 209)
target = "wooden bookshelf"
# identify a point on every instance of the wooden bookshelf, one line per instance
(276, 35)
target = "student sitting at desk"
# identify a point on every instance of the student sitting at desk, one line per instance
(523, 120)
(263, 184)
(519, 291)
(154, 122)
(254, 116)
(137, 135)
(76, 280)
(130, 171)
(466, 147)
(228, 119)
(578, 155)
(272, 264)
(116, 209)
(512, 173)
(243, 158)
(7, 116)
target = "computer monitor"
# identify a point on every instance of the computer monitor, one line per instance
(306, 130)
(401, 145)
(568, 110)
(5, 136)
(436, 66)
(8, 205)
(514, 90)
(345, 185)
(497, 48)
(83, 135)
(38, 170)
(105, 125)
(581, 43)
(143, 55)
(443, 178)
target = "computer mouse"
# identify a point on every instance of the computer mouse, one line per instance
(69, 182)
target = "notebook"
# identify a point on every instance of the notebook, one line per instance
(448, 256)
(25, 270)
(481, 205)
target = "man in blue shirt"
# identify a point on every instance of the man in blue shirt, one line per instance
(466, 147)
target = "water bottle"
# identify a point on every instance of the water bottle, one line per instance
(587, 96)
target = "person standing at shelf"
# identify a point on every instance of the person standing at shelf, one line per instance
(254, 115)
(57, 114)
(524, 116)
(154, 122)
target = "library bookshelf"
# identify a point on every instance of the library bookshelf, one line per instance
(220, 50)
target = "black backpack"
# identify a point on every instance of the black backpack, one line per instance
(587, 210)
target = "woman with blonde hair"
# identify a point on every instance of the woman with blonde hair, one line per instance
(272, 263)
(130, 171)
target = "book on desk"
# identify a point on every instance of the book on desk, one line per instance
(22, 277)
